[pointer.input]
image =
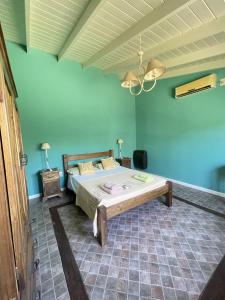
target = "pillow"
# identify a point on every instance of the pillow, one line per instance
(86, 168)
(109, 163)
(73, 171)
(99, 166)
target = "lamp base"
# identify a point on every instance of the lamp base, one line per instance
(120, 152)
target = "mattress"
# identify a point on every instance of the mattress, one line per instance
(89, 195)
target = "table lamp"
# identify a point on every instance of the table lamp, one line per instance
(46, 147)
(120, 142)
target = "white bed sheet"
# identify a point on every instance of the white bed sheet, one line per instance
(74, 180)
(119, 175)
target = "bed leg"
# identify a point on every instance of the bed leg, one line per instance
(102, 225)
(169, 195)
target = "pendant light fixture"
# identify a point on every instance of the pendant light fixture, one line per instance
(154, 70)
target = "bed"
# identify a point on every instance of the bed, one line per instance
(100, 206)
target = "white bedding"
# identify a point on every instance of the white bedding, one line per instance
(87, 188)
(75, 180)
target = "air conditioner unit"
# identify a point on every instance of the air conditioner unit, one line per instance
(196, 86)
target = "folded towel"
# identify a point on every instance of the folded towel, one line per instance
(114, 190)
(143, 177)
(112, 186)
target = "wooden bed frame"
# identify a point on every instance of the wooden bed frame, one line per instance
(71, 158)
(106, 213)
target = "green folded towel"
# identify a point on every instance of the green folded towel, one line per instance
(143, 177)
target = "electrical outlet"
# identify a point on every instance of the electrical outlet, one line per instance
(222, 81)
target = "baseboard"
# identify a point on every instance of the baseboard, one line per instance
(34, 196)
(39, 195)
(196, 187)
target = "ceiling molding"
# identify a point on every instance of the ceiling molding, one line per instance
(156, 16)
(27, 23)
(217, 64)
(80, 26)
(179, 41)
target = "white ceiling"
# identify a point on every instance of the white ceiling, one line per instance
(186, 35)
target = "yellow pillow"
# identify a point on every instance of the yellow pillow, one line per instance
(109, 163)
(86, 168)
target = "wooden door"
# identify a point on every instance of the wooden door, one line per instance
(21, 175)
(8, 281)
(16, 257)
(16, 185)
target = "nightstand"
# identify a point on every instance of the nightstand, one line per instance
(50, 183)
(124, 162)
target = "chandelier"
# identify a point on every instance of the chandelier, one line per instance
(153, 71)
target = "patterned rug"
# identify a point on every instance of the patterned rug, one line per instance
(153, 252)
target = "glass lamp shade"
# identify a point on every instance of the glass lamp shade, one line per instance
(130, 80)
(154, 70)
(45, 146)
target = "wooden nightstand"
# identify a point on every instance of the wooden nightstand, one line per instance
(50, 183)
(124, 162)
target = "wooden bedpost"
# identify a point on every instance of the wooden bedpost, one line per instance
(111, 153)
(102, 225)
(169, 195)
(65, 163)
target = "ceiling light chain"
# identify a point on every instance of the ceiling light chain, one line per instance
(154, 70)
(140, 54)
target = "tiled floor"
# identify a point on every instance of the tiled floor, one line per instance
(213, 202)
(50, 279)
(153, 252)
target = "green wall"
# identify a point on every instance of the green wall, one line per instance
(75, 110)
(185, 139)
(82, 110)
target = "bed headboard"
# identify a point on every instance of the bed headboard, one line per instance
(67, 159)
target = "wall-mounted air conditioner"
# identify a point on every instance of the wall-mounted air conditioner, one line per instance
(196, 86)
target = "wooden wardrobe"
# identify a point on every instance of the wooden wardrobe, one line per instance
(16, 256)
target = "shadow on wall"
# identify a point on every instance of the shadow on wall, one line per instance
(219, 184)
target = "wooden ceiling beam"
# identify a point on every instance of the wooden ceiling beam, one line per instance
(153, 18)
(196, 56)
(191, 36)
(194, 62)
(217, 64)
(184, 70)
(185, 60)
(84, 20)
(27, 23)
